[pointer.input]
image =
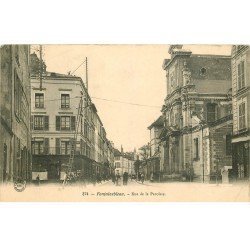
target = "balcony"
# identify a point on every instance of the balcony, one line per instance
(54, 151)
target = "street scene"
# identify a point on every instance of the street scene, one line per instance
(142, 119)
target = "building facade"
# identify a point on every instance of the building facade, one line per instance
(197, 115)
(56, 119)
(124, 162)
(241, 110)
(15, 146)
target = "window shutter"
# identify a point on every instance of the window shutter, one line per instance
(242, 74)
(46, 146)
(239, 75)
(73, 123)
(58, 142)
(46, 122)
(32, 122)
(81, 145)
(58, 121)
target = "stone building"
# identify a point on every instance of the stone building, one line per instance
(241, 110)
(54, 109)
(197, 115)
(153, 161)
(15, 137)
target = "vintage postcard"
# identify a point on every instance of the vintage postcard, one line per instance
(125, 123)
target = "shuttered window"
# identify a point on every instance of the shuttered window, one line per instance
(40, 122)
(40, 146)
(65, 147)
(58, 148)
(241, 75)
(46, 145)
(242, 116)
(65, 123)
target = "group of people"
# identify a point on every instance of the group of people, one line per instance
(141, 177)
(117, 178)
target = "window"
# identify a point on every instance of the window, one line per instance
(117, 164)
(39, 100)
(38, 123)
(196, 148)
(242, 116)
(228, 144)
(41, 122)
(86, 129)
(211, 112)
(18, 92)
(117, 158)
(65, 123)
(65, 147)
(241, 75)
(64, 101)
(172, 80)
(40, 146)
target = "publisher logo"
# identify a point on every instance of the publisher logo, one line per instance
(20, 185)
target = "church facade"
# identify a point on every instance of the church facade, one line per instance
(197, 115)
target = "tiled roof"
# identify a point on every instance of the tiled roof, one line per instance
(211, 86)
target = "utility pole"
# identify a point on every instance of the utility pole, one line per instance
(41, 66)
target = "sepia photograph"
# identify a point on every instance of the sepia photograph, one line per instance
(124, 125)
(162, 122)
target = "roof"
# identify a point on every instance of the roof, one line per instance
(212, 86)
(58, 75)
(117, 152)
(157, 123)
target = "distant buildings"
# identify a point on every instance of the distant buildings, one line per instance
(124, 162)
(15, 136)
(241, 110)
(54, 110)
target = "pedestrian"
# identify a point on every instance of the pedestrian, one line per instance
(142, 178)
(113, 178)
(38, 180)
(117, 179)
(125, 178)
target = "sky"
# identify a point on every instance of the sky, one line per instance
(123, 73)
